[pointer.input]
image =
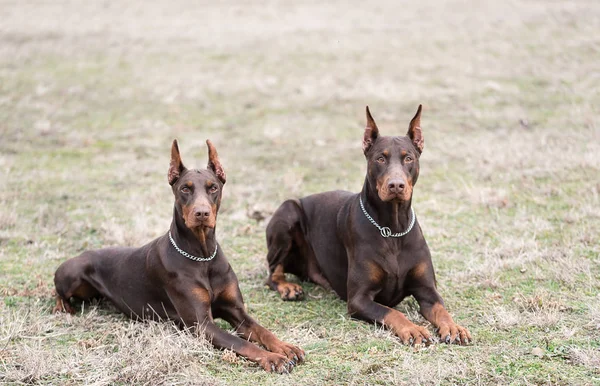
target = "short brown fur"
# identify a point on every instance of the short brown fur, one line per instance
(327, 238)
(156, 281)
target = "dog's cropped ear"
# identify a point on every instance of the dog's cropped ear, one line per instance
(371, 133)
(213, 162)
(414, 131)
(176, 167)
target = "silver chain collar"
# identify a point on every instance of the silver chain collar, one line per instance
(192, 257)
(385, 231)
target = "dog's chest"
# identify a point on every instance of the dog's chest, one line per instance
(393, 287)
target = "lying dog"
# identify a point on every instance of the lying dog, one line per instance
(368, 247)
(181, 276)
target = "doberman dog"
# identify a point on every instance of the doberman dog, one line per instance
(181, 276)
(368, 247)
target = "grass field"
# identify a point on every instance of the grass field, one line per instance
(92, 94)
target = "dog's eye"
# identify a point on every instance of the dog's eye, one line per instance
(381, 159)
(185, 189)
(213, 189)
(408, 159)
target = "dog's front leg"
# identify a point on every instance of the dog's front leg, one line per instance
(230, 305)
(192, 304)
(432, 308)
(361, 305)
(250, 329)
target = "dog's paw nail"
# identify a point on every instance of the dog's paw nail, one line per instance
(447, 339)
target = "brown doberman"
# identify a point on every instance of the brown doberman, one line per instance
(181, 276)
(368, 247)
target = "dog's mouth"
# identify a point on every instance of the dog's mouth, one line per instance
(387, 196)
(395, 198)
(202, 231)
(398, 198)
(200, 225)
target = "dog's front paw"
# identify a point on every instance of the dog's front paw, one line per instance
(414, 335)
(290, 291)
(293, 353)
(277, 363)
(452, 333)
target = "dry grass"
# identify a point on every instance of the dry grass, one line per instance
(91, 95)
(104, 350)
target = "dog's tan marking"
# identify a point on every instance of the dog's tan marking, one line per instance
(230, 293)
(404, 328)
(440, 315)
(287, 290)
(396, 320)
(278, 274)
(201, 294)
(212, 220)
(419, 270)
(376, 274)
(187, 214)
(63, 305)
(84, 291)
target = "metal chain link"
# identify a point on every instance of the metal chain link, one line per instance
(192, 257)
(385, 231)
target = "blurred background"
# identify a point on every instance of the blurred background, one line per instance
(93, 93)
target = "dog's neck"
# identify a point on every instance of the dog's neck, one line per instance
(395, 215)
(200, 243)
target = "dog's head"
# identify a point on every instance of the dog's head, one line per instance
(393, 162)
(197, 192)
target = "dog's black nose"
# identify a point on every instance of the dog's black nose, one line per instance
(396, 186)
(202, 213)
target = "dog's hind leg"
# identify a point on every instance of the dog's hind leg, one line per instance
(69, 281)
(284, 233)
(62, 305)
